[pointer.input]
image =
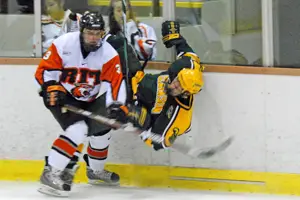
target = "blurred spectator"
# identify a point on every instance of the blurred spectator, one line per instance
(141, 36)
(56, 20)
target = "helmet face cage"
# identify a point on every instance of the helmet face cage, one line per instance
(91, 21)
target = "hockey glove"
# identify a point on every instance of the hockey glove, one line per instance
(170, 31)
(147, 137)
(54, 94)
(117, 111)
(138, 116)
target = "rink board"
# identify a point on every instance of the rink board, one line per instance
(261, 111)
(171, 177)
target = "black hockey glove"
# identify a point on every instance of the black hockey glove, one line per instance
(138, 116)
(117, 111)
(170, 31)
(54, 94)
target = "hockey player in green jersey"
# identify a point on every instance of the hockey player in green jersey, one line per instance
(164, 102)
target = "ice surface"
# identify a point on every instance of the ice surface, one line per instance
(26, 190)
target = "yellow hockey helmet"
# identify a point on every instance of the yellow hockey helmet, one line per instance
(191, 80)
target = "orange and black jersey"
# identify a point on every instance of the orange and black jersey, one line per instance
(64, 63)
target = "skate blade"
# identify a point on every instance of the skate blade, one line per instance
(44, 189)
(102, 183)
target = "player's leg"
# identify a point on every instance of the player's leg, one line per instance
(97, 150)
(69, 172)
(96, 158)
(53, 179)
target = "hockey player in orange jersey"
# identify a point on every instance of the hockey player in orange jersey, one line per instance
(73, 70)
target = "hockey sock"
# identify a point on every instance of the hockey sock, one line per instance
(98, 151)
(74, 160)
(65, 146)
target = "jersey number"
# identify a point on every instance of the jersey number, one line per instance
(118, 67)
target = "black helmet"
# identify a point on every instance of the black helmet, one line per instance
(91, 21)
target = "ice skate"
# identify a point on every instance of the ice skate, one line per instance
(68, 175)
(103, 177)
(52, 183)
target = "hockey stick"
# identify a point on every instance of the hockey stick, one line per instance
(193, 152)
(125, 42)
(126, 4)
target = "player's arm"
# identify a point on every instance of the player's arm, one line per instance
(174, 120)
(50, 67)
(112, 75)
(116, 97)
(47, 75)
(134, 65)
(172, 37)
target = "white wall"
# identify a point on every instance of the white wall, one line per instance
(262, 111)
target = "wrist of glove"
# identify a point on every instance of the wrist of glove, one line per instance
(171, 33)
(138, 116)
(54, 94)
(147, 137)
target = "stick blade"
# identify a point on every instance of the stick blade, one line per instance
(212, 151)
